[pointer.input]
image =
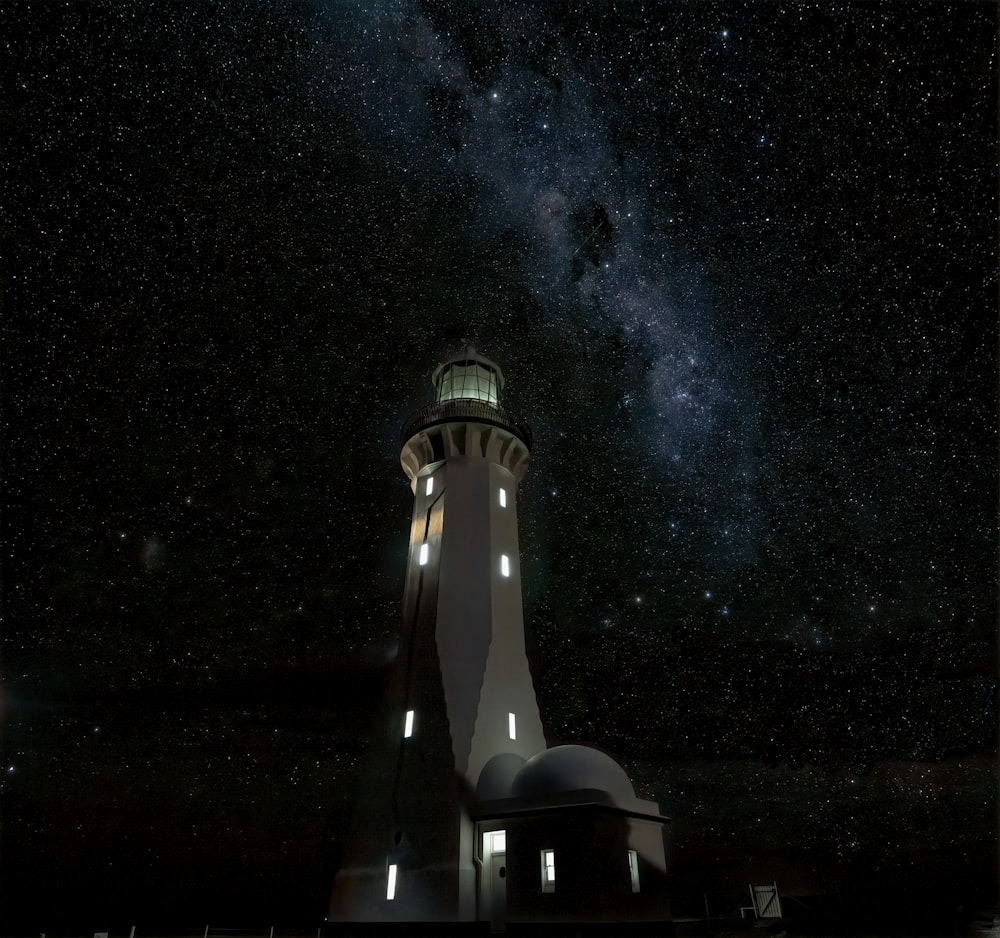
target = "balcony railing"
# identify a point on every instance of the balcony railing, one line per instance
(467, 409)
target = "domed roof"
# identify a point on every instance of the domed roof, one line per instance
(497, 776)
(571, 768)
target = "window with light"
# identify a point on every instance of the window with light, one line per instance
(494, 842)
(633, 869)
(548, 871)
(469, 381)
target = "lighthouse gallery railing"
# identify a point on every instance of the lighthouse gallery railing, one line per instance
(466, 409)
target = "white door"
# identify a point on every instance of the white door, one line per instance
(498, 893)
(495, 873)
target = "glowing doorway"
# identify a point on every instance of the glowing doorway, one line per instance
(495, 879)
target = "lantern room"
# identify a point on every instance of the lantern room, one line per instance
(469, 376)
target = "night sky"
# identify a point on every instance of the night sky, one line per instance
(738, 264)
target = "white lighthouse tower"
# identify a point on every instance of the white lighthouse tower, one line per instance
(462, 790)
(464, 455)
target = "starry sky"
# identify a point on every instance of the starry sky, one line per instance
(737, 261)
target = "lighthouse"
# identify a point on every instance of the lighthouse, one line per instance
(465, 815)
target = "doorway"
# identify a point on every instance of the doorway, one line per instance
(495, 879)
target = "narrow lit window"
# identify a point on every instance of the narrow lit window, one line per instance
(503, 498)
(548, 871)
(505, 565)
(499, 844)
(408, 725)
(633, 869)
(390, 885)
(512, 725)
(424, 553)
(429, 486)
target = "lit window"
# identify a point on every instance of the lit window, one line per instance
(408, 726)
(429, 486)
(499, 844)
(512, 725)
(633, 869)
(390, 885)
(505, 565)
(503, 498)
(424, 554)
(548, 871)
(468, 380)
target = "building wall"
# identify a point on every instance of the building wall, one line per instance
(593, 882)
(507, 685)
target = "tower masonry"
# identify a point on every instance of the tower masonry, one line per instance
(465, 815)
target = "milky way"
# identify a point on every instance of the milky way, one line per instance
(738, 265)
(537, 155)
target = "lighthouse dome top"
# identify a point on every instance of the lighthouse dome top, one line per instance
(468, 376)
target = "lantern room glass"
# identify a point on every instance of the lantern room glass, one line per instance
(468, 381)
